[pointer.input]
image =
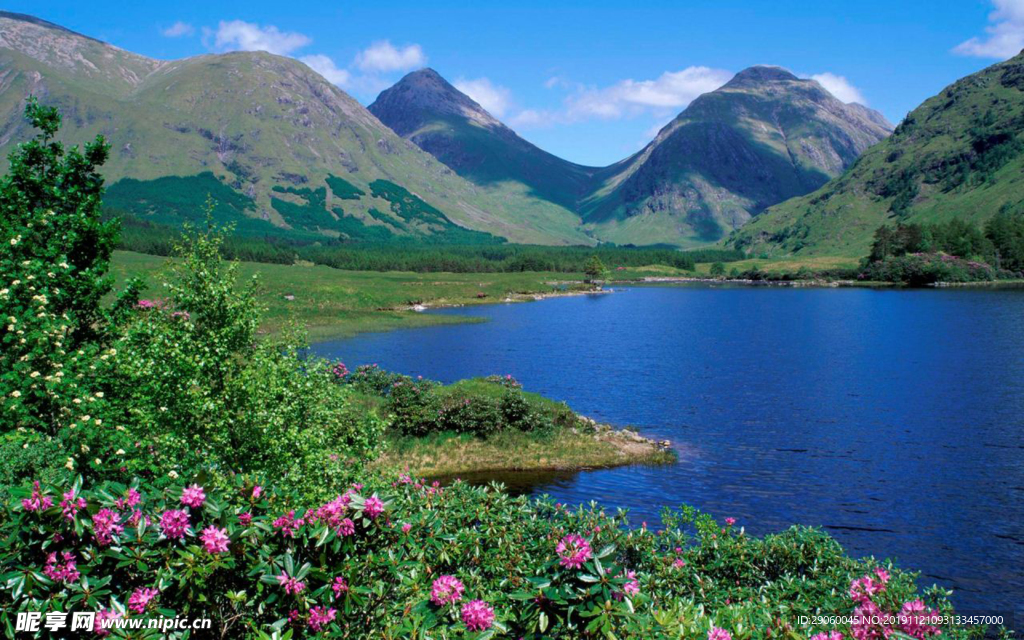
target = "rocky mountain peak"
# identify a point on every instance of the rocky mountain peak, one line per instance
(761, 74)
(425, 91)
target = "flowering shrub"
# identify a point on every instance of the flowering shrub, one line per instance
(411, 559)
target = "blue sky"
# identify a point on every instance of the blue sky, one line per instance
(590, 81)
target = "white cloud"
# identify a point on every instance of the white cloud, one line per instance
(840, 87)
(325, 66)
(1004, 36)
(535, 119)
(382, 56)
(238, 35)
(671, 90)
(494, 98)
(178, 30)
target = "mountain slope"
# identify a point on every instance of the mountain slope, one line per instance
(424, 108)
(958, 155)
(283, 150)
(763, 137)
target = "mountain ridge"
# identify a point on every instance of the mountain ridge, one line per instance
(959, 155)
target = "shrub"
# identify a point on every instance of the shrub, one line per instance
(406, 559)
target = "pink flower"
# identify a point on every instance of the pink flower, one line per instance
(99, 628)
(346, 527)
(340, 586)
(288, 524)
(883, 575)
(730, 521)
(193, 496)
(291, 585)
(215, 540)
(867, 618)
(406, 527)
(373, 507)
(679, 563)
(831, 635)
(245, 519)
(61, 572)
(174, 523)
(130, 500)
(863, 589)
(446, 590)
(632, 587)
(105, 526)
(719, 634)
(915, 617)
(573, 551)
(141, 598)
(320, 617)
(257, 491)
(38, 501)
(478, 615)
(71, 505)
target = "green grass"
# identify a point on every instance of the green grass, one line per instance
(335, 303)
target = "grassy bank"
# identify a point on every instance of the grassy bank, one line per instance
(336, 303)
(489, 424)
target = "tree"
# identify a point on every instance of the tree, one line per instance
(54, 254)
(717, 270)
(594, 269)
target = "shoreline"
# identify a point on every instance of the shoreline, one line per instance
(449, 454)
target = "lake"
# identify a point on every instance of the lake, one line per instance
(893, 418)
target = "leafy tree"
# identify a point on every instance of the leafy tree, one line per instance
(1006, 233)
(594, 269)
(54, 254)
(718, 270)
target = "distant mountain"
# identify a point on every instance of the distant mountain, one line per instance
(763, 137)
(959, 155)
(424, 108)
(282, 150)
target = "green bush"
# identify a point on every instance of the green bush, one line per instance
(404, 559)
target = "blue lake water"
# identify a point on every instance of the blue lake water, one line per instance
(893, 418)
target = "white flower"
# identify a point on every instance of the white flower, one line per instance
(173, 474)
(15, 394)
(70, 464)
(120, 452)
(98, 462)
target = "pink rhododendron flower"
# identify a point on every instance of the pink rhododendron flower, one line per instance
(70, 505)
(915, 619)
(174, 523)
(291, 585)
(831, 635)
(477, 615)
(131, 499)
(257, 491)
(320, 617)
(633, 586)
(883, 575)
(98, 626)
(573, 551)
(406, 527)
(719, 634)
(346, 527)
(446, 590)
(105, 526)
(214, 540)
(867, 618)
(245, 519)
(38, 501)
(58, 571)
(863, 589)
(288, 524)
(679, 563)
(193, 496)
(141, 598)
(340, 586)
(730, 521)
(373, 507)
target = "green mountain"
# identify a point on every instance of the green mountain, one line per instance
(763, 137)
(960, 155)
(283, 151)
(424, 108)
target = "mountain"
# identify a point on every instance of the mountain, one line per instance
(424, 108)
(762, 138)
(282, 151)
(958, 155)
